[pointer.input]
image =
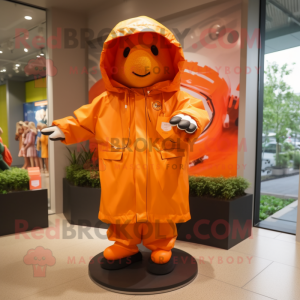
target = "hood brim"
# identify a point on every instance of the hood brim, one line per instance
(135, 26)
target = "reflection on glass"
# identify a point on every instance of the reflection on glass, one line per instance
(23, 92)
(281, 120)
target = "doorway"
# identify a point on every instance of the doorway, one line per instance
(278, 150)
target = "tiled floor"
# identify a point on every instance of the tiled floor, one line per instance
(266, 266)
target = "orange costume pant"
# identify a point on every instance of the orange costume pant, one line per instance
(155, 236)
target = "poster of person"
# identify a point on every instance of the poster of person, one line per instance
(36, 112)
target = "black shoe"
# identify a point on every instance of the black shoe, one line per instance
(120, 263)
(160, 269)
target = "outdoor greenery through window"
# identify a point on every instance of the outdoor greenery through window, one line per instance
(281, 117)
(280, 157)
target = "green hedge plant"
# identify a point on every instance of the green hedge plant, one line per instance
(80, 158)
(269, 205)
(14, 179)
(83, 171)
(282, 160)
(218, 187)
(78, 176)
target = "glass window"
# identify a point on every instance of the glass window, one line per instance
(23, 88)
(276, 200)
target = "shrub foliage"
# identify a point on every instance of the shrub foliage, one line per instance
(218, 187)
(78, 176)
(14, 179)
(83, 171)
(269, 205)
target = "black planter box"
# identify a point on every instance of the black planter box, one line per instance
(81, 205)
(23, 211)
(217, 223)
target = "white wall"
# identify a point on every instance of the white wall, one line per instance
(66, 93)
(248, 95)
(156, 9)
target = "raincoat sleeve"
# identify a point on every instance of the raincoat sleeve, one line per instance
(82, 127)
(194, 108)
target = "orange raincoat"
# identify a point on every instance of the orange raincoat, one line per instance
(143, 161)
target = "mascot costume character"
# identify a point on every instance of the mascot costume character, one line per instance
(144, 126)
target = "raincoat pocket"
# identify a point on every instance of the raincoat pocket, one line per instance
(110, 155)
(109, 161)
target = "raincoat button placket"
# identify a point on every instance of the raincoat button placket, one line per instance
(141, 158)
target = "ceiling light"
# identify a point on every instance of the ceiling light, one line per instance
(38, 56)
(17, 71)
(1, 51)
(42, 53)
(25, 50)
(28, 18)
(17, 65)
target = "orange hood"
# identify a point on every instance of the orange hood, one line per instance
(134, 26)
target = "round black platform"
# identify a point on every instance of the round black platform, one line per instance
(136, 280)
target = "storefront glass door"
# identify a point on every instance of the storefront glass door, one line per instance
(277, 179)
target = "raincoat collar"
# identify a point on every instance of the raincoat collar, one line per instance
(163, 86)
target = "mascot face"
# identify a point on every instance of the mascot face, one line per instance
(142, 60)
